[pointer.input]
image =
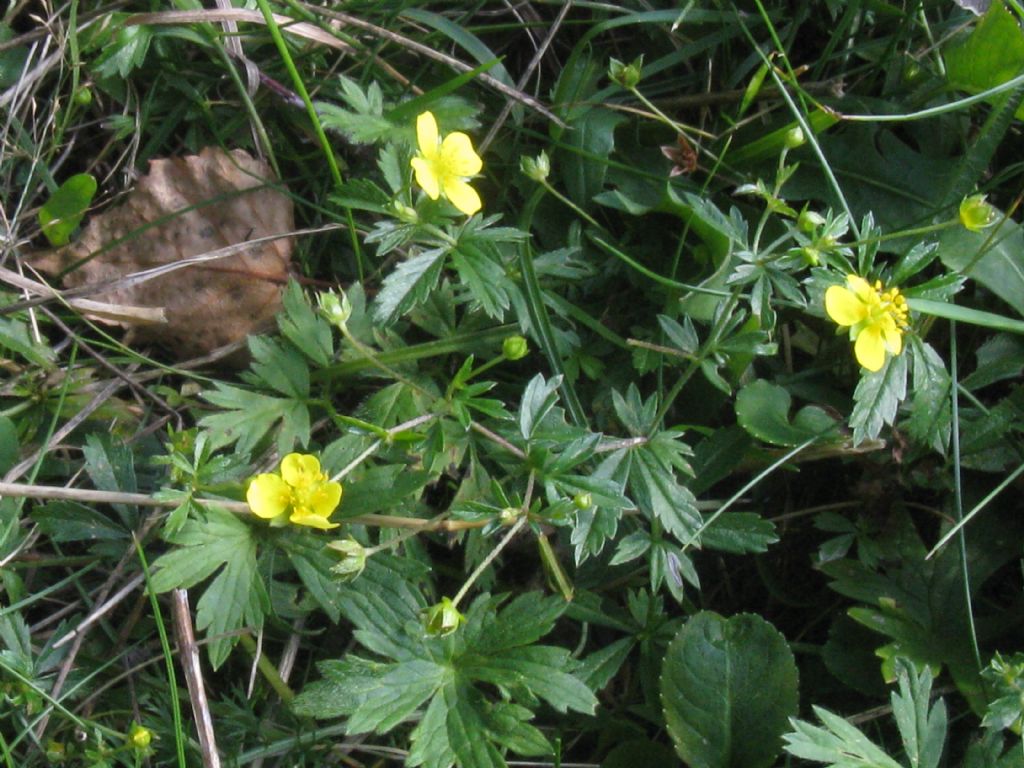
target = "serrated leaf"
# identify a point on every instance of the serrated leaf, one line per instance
(381, 488)
(282, 368)
(657, 492)
(304, 327)
(430, 745)
(68, 521)
(877, 398)
(539, 397)
(464, 726)
(727, 689)
(740, 533)
(762, 408)
(484, 276)
(931, 417)
(408, 285)
(839, 744)
(922, 729)
(230, 601)
(598, 669)
(250, 416)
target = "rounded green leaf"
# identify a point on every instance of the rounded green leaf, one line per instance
(728, 687)
(762, 409)
(64, 210)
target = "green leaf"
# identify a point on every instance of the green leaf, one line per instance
(408, 285)
(877, 397)
(762, 408)
(8, 445)
(992, 54)
(12, 60)
(280, 367)
(539, 669)
(61, 214)
(465, 726)
(539, 398)
(430, 745)
(931, 415)
(991, 257)
(125, 52)
(598, 669)
(304, 327)
(250, 416)
(839, 744)
(15, 336)
(231, 601)
(653, 484)
(68, 521)
(381, 488)
(110, 465)
(739, 533)
(922, 729)
(583, 164)
(728, 686)
(484, 276)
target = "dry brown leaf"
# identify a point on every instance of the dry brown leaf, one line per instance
(186, 207)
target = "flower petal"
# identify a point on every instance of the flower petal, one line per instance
(893, 337)
(300, 470)
(426, 177)
(426, 135)
(870, 348)
(311, 519)
(268, 496)
(325, 498)
(843, 306)
(462, 196)
(458, 157)
(861, 288)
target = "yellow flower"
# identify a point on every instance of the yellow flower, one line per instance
(443, 167)
(877, 318)
(301, 494)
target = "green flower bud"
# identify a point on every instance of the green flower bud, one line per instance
(808, 221)
(509, 515)
(442, 619)
(353, 558)
(811, 256)
(976, 214)
(536, 168)
(515, 348)
(626, 75)
(583, 501)
(83, 96)
(794, 137)
(139, 737)
(404, 213)
(336, 309)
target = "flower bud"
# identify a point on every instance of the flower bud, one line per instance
(336, 310)
(404, 213)
(808, 220)
(353, 558)
(509, 515)
(794, 137)
(976, 214)
(536, 168)
(515, 348)
(583, 501)
(442, 619)
(139, 736)
(626, 75)
(811, 256)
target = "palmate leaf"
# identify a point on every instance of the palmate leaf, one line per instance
(250, 416)
(234, 598)
(460, 724)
